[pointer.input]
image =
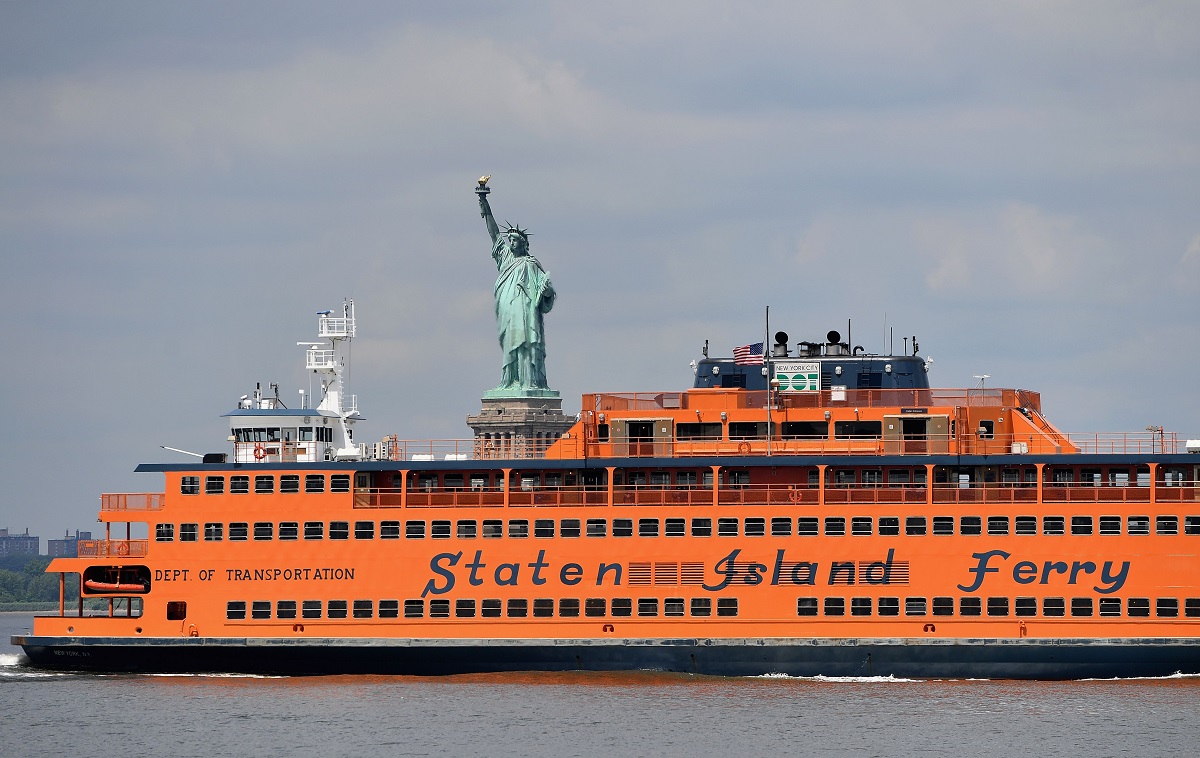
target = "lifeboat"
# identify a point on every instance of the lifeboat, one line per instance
(92, 585)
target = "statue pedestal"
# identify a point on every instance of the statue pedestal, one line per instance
(518, 426)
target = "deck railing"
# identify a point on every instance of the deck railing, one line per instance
(113, 548)
(131, 501)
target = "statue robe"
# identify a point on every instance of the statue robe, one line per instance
(523, 294)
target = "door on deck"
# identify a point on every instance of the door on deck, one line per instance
(641, 438)
(938, 434)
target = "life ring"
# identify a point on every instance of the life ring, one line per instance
(744, 448)
(122, 548)
(795, 495)
(260, 452)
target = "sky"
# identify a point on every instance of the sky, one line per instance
(184, 185)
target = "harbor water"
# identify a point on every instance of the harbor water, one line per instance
(583, 714)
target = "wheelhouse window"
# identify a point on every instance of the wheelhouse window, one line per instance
(804, 430)
(850, 430)
(698, 431)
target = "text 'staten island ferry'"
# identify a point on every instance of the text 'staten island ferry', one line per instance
(848, 521)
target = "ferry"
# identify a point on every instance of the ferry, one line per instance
(802, 509)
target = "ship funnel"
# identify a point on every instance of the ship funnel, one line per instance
(780, 350)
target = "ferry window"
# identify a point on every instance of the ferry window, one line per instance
(440, 529)
(389, 609)
(164, 532)
(414, 609)
(685, 479)
(914, 606)
(594, 606)
(189, 485)
(1081, 606)
(889, 526)
(479, 481)
(1053, 606)
(339, 483)
(490, 608)
(466, 529)
(288, 530)
(389, 530)
(264, 530)
(597, 527)
(622, 606)
(464, 608)
(1025, 606)
(1053, 525)
(696, 431)
(701, 606)
(305, 434)
(997, 606)
(659, 479)
(568, 527)
(260, 609)
(756, 527)
(970, 525)
(806, 526)
(1062, 476)
(1110, 524)
(780, 527)
(872, 477)
(987, 429)
(235, 609)
(365, 530)
(915, 525)
(518, 608)
(943, 606)
(1081, 525)
(239, 531)
(701, 527)
(622, 527)
(339, 530)
(636, 479)
(861, 526)
(943, 525)
(285, 609)
(543, 527)
(727, 606)
(706, 480)
(835, 606)
(1089, 477)
(314, 530)
(363, 609)
(1138, 525)
(970, 606)
(493, 529)
(1166, 607)
(214, 485)
(727, 527)
(1110, 606)
(860, 606)
(176, 610)
(1191, 607)
(264, 485)
(568, 607)
(438, 609)
(518, 528)
(1139, 607)
(1010, 476)
(997, 524)
(843, 477)
(314, 482)
(738, 479)
(1191, 524)
(897, 477)
(677, 527)
(602, 432)
(835, 526)
(187, 532)
(647, 527)
(311, 609)
(648, 606)
(804, 430)
(845, 430)
(806, 606)
(889, 606)
(673, 606)
(336, 609)
(1166, 524)
(239, 485)
(747, 430)
(453, 482)
(1026, 525)
(289, 483)
(543, 607)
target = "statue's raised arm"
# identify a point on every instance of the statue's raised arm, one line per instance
(485, 209)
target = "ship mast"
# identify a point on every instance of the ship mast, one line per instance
(332, 363)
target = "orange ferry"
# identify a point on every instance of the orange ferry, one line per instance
(813, 511)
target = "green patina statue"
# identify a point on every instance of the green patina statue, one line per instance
(523, 295)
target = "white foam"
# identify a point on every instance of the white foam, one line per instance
(840, 679)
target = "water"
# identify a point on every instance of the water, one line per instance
(584, 714)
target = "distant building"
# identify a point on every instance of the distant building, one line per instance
(19, 544)
(68, 546)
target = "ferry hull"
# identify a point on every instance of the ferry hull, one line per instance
(962, 658)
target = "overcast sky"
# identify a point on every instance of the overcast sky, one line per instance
(183, 185)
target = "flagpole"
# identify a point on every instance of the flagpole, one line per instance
(767, 365)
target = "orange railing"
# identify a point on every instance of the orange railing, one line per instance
(113, 548)
(131, 501)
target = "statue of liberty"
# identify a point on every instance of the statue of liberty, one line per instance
(523, 295)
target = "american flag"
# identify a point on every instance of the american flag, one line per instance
(748, 355)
